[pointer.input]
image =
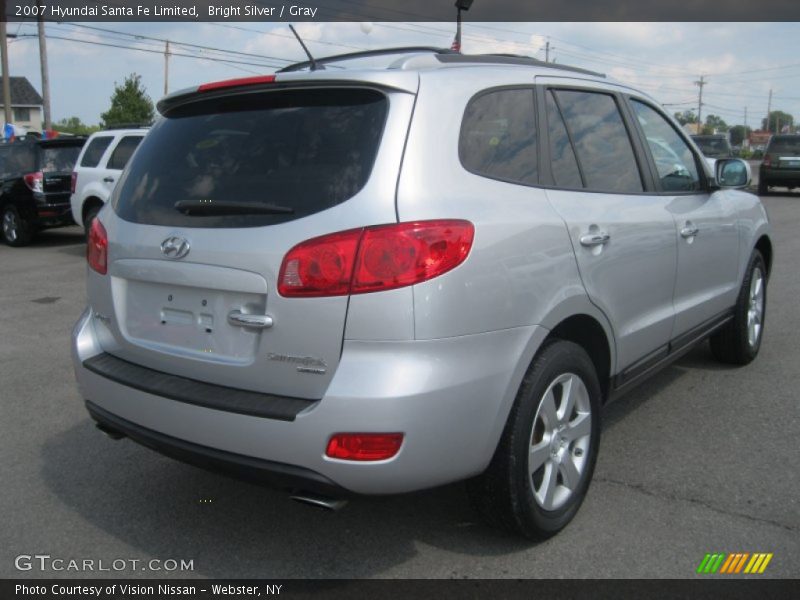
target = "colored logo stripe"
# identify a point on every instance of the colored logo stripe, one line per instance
(733, 563)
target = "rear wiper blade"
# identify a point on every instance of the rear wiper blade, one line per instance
(212, 208)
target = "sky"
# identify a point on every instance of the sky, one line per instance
(740, 62)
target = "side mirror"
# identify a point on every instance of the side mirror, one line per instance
(732, 173)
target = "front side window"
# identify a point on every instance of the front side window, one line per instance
(675, 162)
(498, 136)
(601, 141)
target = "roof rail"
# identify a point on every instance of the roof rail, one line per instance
(366, 54)
(126, 126)
(509, 59)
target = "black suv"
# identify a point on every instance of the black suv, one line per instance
(35, 191)
(781, 164)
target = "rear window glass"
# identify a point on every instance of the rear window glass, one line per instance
(713, 147)
(122, 153)
(58, 158)
(302, 150)
(498, 136)
(787, 145)
(94, 151)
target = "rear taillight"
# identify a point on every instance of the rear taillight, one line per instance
(34, 181)
(364, 446)
(767, 160)
(97, 248)
(374, 259)
(73, 183)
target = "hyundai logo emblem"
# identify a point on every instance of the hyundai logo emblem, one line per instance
(175, 247)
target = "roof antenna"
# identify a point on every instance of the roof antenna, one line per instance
(313, 62)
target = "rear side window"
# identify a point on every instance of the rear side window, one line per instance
(122, 153)
(56, 159)
(785, 145)
(302, 150)
(601, 141)
(94, 151)
(498, 136)
(562, 157)
(3, 157)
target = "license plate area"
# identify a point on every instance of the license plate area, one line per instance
(190, 321)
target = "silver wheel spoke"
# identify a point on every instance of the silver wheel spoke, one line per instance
(547, 410)
(539, 454)
(568, 392)
(569, 472)
(578, 428)
(547, 490)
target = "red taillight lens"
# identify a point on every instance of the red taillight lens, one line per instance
(364, 446)
(767, 160)
(97, 248)
(375, 258)
(73, 183)
(228, 83)
(34, 181)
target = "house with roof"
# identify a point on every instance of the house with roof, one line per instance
(27, 106)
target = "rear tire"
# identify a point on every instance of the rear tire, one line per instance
(17, 230)
(763, 188)
(738, 342)
(544, 462)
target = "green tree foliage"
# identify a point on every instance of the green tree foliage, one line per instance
(75, 126)
(130, 104)
(715, 124)
(739, 134)
(777, 121)
(685, 117)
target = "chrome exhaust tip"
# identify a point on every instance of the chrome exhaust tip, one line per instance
(332, 504)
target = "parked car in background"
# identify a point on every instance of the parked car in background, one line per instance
(98, 169)
(35, 188)
(714, 146)
(380, 280)
(781, 163)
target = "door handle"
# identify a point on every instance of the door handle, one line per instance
(689, 230)
(597, 238)
(108, 179)
(237, 317)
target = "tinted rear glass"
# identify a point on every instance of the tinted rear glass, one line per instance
(58, 158)
(94, 151)
(785, 145)
(122, 153)
(307, 150)
(713, 147)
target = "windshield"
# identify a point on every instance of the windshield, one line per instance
(307, 150)
(789, 146)
(59, 158)
(714, 147)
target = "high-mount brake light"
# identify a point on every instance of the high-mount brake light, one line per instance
(97, 247)
(240, 81)
(374, 259)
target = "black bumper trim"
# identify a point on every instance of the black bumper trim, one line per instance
(208, 395)
(258, 470)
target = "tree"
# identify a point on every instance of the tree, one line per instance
(777, 121)
(130, 104)
(75, 126)
(685, 117)
(715, 124)
(739, 133)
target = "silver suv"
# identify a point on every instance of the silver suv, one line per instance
(373, 280)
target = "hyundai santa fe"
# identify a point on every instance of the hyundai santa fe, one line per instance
(379, 279)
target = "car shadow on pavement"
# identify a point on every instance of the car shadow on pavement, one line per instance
(234, 529)
(51, 238)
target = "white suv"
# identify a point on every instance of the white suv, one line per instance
(98, 168)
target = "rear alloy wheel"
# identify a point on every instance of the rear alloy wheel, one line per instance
(16, 230)
(543, 464)
(739, 340)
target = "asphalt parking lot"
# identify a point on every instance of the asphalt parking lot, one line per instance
(701, 458)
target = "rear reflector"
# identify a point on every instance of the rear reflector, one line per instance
(374, 259)
(97, 248)
(364, 446)
(228, 83)
(73, 182)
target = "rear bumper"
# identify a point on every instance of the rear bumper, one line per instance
(449, 397)
(780, 176)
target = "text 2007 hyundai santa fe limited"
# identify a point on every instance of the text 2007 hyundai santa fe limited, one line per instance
(377, 280)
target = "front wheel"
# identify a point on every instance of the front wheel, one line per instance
(17, 230)
(544, 462)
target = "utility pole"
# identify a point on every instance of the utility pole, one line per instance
(45, 77)
(769, 108)
(700, 84)
(745, 117)
(6, 81)
(166, 68)
(547, 51)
